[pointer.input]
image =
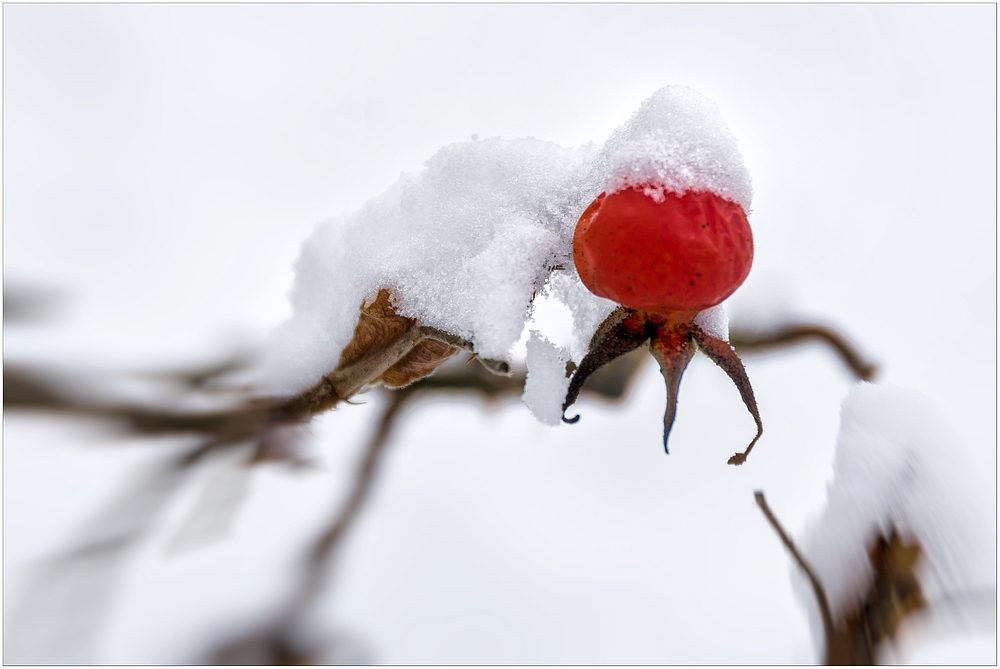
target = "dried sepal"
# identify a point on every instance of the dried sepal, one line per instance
(622, 332)
(673, 338)
(673, 349)
(724, 355)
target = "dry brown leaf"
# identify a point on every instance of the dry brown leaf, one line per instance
(378, 326)
(425, 357)
(893, 594)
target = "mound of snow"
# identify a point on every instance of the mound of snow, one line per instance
(897, 462)
(466, 243)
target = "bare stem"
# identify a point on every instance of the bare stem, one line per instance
(500, 367)
(328, 541)
(787, 336)
(274, 642)
(821, 600)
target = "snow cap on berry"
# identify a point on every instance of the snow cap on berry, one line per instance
(678, 140)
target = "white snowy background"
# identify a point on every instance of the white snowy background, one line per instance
(164, 163)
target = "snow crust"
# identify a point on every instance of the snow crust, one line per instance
(546, 383)
(465, 244)
(896, 461)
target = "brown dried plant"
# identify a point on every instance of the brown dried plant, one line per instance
(893, 594)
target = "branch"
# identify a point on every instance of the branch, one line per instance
(794, 334)
(818, 591)
(274, 642)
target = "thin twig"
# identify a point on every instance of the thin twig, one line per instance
(275, 640)
(793, 334)
(821, 600)
(274, 643)
(328, 541)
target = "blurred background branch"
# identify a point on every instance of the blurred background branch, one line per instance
(85, 574)
(752, 341)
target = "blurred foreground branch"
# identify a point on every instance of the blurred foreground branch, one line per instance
(818, 591)
(279, 641)
(894, 594)
(255, 430)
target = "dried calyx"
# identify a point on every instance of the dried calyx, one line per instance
(672, 340)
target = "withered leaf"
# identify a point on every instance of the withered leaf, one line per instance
(386, 348)
(425, 357)
(893, 595)
(378, 326)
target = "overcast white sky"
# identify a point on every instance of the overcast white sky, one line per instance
(165, 162)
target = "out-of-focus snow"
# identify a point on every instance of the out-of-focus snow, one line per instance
(546, 383)
(896, 461)
(466, 243)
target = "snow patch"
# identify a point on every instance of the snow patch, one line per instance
(546, 383)
(588, 309)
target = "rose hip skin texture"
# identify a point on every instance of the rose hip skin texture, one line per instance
(684, 254)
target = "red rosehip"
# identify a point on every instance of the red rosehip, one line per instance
(683, 254)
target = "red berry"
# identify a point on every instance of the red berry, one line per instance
(683, 254)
